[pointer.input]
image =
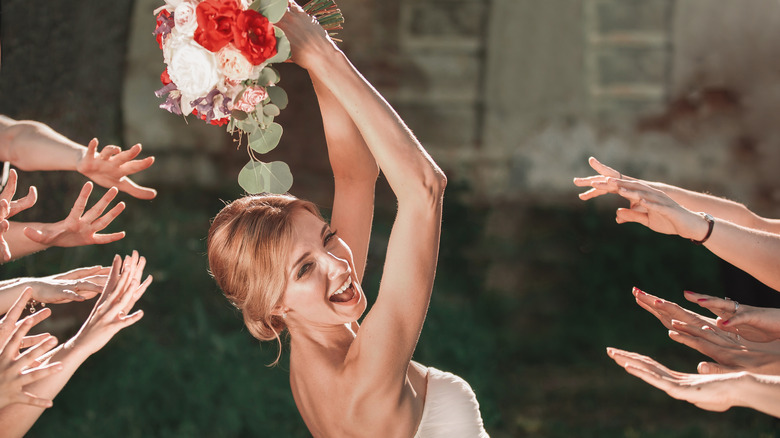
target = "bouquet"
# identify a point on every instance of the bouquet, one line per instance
(219, 56)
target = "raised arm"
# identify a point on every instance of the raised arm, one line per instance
(31, 145)
(354, 171)
(387, 338)
(719, 207)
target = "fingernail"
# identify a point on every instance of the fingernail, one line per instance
(639, 291)
(610, 351)
(658, 302)
(726, 322)
(705, 368)
(701, 300)
(688, 292)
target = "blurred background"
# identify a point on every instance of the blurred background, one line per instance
(511, 97)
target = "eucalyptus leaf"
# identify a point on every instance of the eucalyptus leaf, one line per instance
(278, 96)
(265, 140)
(239, 115)
(282, 48)
(268, 119)
(273, 10)
(271, 110)
(248, 125)
(268, 76)
(259, 177)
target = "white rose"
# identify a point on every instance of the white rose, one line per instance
(233, 64)
(185, 19)
(193, 69)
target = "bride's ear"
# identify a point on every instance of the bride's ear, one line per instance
(280, 310)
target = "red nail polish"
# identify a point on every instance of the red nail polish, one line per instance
(701, 299)
(658, 302)
(726, 322)
(687, 292)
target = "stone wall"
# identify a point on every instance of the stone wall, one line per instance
(512, 96)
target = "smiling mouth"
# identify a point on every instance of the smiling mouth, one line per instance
(345, 293)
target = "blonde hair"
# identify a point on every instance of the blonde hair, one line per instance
(248, 247)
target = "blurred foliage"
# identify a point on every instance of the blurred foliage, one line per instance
(534, 356)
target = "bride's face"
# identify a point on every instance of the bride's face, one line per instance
(322, 289)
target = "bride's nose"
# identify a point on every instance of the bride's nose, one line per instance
(336, 266)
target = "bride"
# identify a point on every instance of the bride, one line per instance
(285, 268)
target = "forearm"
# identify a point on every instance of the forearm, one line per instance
(755, 252)
(17, 419)
(397, 152)
(350, 158)
(10, 291)
(31, 145)
(758, 391)
(19, 244)
(725, 209)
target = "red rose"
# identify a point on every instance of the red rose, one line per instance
(216, 19)
(254, 36)
(164, 78)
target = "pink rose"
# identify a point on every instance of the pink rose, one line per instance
(250, 98)
(233, 64)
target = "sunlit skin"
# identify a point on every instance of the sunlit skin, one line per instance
(320, 264)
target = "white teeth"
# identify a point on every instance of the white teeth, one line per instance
(344, 286)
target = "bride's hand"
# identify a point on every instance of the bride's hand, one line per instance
(307, 38)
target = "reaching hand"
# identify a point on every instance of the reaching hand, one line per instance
(18, 370)
(604, 173)
(111, 312)
(707, 391)
(76, 285)
(758, 324)
(10, 190)
(81, 228)
(111, 167)
(731, 352)
(8, 208)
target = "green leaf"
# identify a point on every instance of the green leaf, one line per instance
(282, 47)
(265, 140)
(259, 177)
(268, 76)
(267, 119)
(273, 10)
(249, 125)
(278, 96)
(239, 115)
(271, 110)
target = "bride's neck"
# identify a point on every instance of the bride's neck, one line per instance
(333, 339)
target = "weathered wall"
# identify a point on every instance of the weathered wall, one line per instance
(514, 95)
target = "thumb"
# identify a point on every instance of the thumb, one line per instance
(713, 368)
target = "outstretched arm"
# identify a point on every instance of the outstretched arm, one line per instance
(31, 145)
(713, 392)
(110, 314)
(77, 229)
(724, 209)
(751, 250)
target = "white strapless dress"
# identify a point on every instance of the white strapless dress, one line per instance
(451, 408)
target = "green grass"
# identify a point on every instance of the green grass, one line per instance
(534, 355)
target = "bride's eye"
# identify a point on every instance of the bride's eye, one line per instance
(304, 269)
(329, 237)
